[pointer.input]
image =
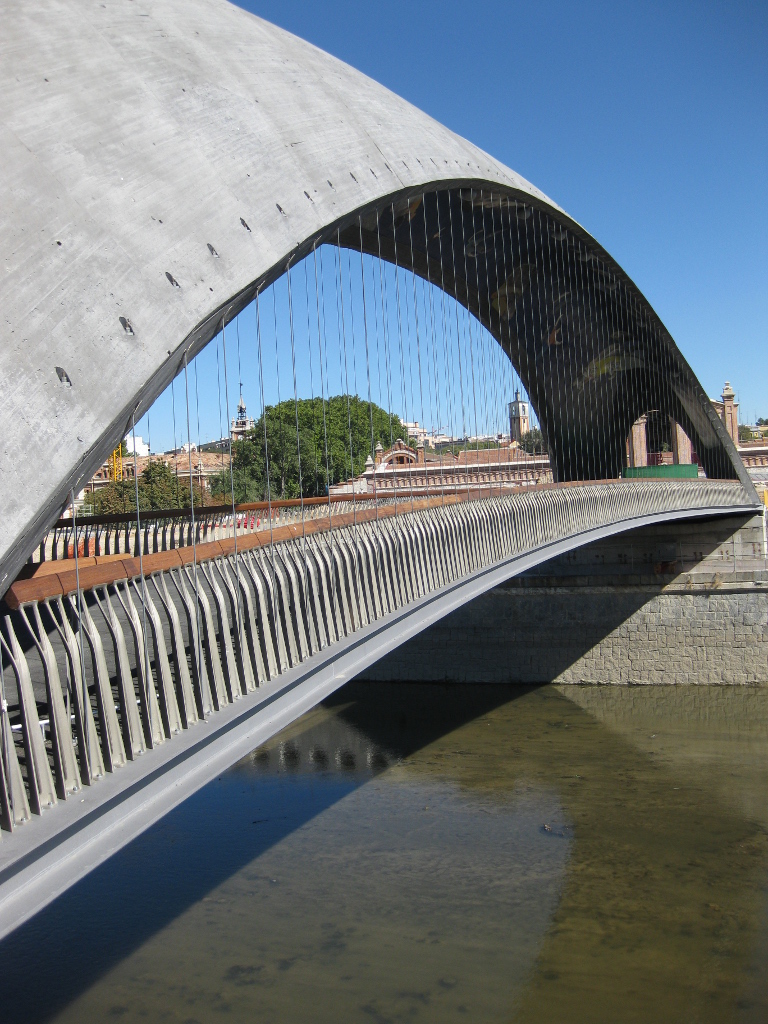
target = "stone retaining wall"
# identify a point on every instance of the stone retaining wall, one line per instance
(615, 612)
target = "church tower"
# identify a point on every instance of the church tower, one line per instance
(519, 422)
(241, 424)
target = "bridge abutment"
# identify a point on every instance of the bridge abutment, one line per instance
(662, 605)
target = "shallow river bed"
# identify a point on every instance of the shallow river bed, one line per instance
(430, 853)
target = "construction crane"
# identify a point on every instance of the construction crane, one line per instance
(115, 464)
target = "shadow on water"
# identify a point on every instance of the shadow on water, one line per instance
(69, 945)
(663, 912)
(601, 852)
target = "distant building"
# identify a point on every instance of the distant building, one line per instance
(100, 478)
(430, 438)
(753, 453)
(105, 473)
(422, 472)
(241, 424)
(728, 411)
(204, 465)
(657, 440)
(208, 459)
(519, 418)
(415, 432)
(141, 448)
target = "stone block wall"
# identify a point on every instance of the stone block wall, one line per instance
(618, 611)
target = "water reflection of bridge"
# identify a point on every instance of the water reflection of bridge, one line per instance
(316, 809)
(414, 252)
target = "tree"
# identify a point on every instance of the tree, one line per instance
(158, 489)
(532, 441)
(334, 440)
(745, 432)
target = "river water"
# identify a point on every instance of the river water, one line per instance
(430, 853)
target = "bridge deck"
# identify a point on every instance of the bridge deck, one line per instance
(216, 651)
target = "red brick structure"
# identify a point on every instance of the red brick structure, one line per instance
(424, 471)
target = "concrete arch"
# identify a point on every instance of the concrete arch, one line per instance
(160, 162)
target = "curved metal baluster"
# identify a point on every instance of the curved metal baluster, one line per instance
(200, 681)
(88, 748)
(242, 627)
(64, 760)
(422, 548)
(231, 676)
(320, 601)
(380, 537)
(282, 606)
(185, 693)
(150, 709)
(40, 781)
(346, 581)
(371, 570)
(267, 628)
(295, 575)
(313, 599)
(133, 735)
(253, 629)
(14, 806)
(390, 560)
(209, 646)
(267, 569)
(169, 708)
(405, 581)
(410, 560)
(325, 573)
(111, 740)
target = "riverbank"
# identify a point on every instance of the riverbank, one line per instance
(650, 608)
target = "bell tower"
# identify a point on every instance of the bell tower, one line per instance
(519, 421)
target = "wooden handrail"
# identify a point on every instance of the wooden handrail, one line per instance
(101, 570)
(200, 510)
(51, 579)
(381, 493)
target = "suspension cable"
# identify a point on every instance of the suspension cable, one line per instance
(148, 681)
(232, 493)
(192, 523)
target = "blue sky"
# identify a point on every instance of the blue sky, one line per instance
(367, 328)
(646, 121)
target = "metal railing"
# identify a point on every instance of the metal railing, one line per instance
(167, 529)
(102, 661)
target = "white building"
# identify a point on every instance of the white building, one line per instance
(242, 423)
(141, 448)
(429, 438)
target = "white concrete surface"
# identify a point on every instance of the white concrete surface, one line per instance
(134, 134)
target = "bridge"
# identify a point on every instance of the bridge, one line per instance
(167, 168)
